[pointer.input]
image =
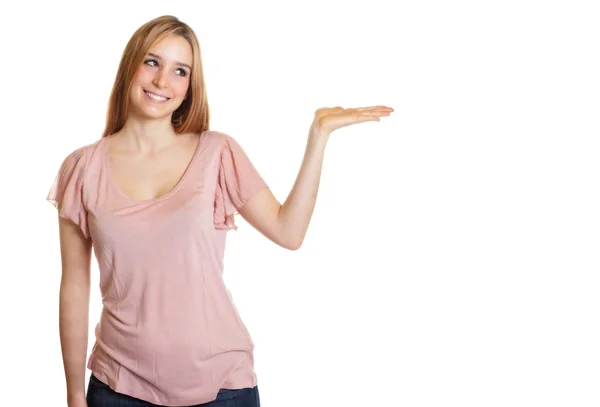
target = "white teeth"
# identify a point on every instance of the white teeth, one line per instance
(155, 97)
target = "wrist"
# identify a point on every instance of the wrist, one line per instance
(319, 136)
(75, 396)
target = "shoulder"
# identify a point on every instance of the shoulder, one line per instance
(82, 151)
(218, 137)
(79, 156)
(220, 142)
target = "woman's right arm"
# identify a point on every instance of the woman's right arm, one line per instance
(74, 303)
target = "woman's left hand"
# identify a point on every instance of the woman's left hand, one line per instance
(328, 119)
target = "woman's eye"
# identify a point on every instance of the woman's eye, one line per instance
(154, 62)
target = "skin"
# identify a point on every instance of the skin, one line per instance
(147, 159)
(286, 224)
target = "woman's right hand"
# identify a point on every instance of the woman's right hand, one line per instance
(79, 401)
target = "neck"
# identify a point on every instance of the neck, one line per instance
(147, 135)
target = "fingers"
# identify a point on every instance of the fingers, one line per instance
(370, 113)
(370, 108)
(353, 109)
(368, 118)
(373, 110)
(360, 114)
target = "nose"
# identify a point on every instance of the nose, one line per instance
(160, 79)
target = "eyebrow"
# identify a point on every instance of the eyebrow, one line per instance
(177, 63)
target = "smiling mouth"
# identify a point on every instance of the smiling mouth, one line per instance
(156, 97)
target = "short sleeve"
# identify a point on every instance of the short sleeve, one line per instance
(238, 180)
(66, 193)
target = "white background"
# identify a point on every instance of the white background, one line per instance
(452, 259)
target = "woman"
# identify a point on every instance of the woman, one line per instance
(154, 198)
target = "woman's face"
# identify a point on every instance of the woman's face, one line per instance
(162, 80)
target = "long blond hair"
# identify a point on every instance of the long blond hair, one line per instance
(193, 115)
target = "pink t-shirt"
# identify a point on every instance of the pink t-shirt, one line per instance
(169, 332)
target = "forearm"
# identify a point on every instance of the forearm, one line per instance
(73, 324)
(296, 212)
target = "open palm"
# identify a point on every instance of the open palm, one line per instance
(328, 119)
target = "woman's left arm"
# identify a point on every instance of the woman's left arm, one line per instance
(286, 224)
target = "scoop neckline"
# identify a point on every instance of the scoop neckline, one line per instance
(117, 188)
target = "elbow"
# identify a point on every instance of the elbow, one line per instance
(289, 237)
(294, 246)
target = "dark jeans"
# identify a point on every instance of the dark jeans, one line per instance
(100, 395)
